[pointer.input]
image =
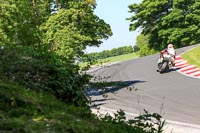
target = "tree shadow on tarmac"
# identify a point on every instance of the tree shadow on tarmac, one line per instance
(102, 88)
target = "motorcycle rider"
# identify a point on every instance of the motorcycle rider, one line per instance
(171, 52)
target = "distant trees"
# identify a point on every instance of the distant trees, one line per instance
(167, 21)
(108, 53)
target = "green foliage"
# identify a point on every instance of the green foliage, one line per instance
(151, 123)
(30, 23)
(142, 46)
(69, 31)
(63, 37)
(145, 50)
(8, 24)
(43, 71)
(146, 122)
(23, 110)
(167, 21)
(16, 23)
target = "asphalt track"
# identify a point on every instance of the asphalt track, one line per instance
(173, 95)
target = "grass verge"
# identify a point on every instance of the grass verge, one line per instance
(193, 56)
(120, 58)
(114, 59)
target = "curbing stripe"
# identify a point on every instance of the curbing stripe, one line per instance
(182, 65)
(196, 73)
(186, 69)
(193, 71)
(189, 68)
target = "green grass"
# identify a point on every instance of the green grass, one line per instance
(114, 59)
(120, 58)
(193, 56)
(25, 111)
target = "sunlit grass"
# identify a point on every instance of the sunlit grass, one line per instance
(193, 56)
(114, 59)
(120, 58)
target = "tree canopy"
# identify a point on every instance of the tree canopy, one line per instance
(167, 21)
(65, 27)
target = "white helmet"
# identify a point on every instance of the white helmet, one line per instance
(170, 46)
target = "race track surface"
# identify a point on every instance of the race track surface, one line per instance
(173, 95)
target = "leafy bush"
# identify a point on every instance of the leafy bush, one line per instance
(144, 50)
(144, 123)
(40, 70)
(23, 110)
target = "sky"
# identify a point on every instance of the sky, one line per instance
(115, 12)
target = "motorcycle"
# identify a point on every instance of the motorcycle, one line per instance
(165, 62)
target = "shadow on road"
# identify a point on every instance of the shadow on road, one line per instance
(102, 88)
(171, 70)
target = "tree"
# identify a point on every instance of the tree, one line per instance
(142, 45)
(167, 21)
(69, 31)
(20, 21)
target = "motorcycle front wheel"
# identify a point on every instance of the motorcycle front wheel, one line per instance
(163, 67)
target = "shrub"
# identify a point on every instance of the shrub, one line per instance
(43, 71)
